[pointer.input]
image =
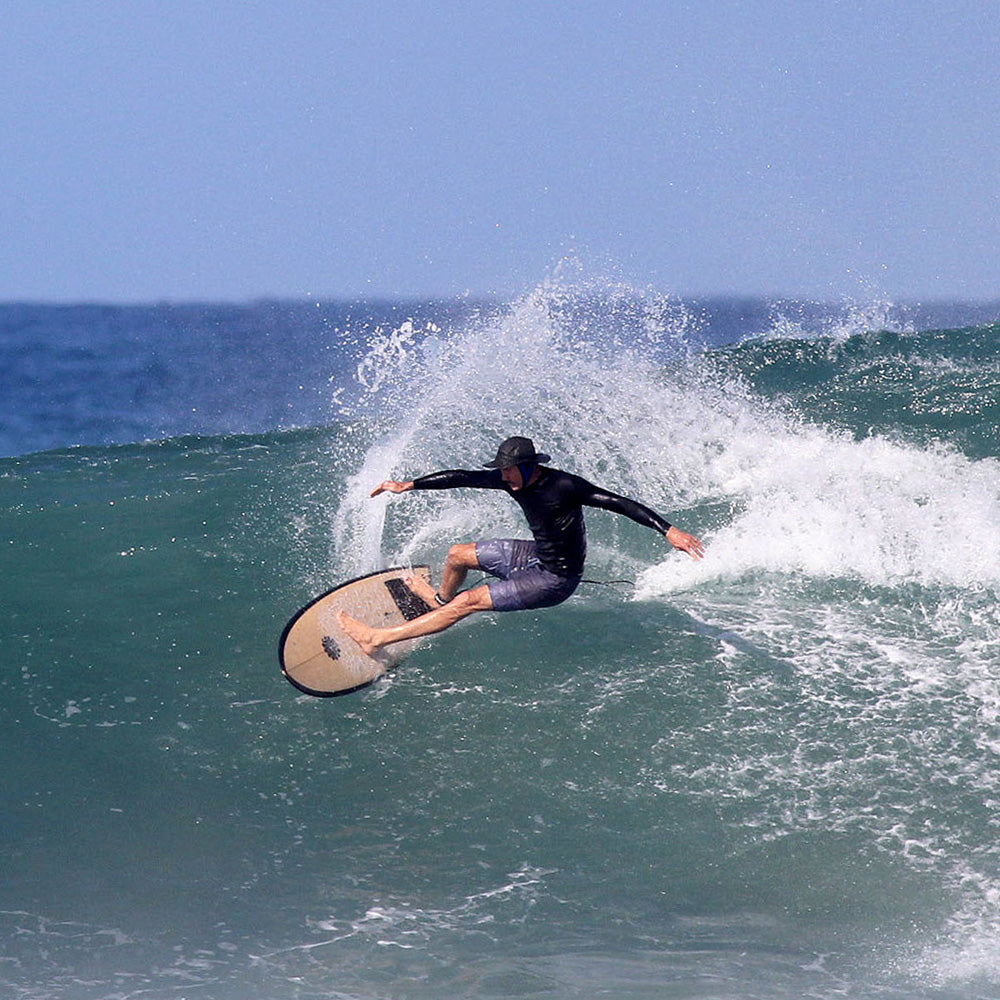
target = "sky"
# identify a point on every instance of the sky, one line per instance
(227, 150)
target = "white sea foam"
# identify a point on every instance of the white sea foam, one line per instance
(596, 399)
(641, 418)
(824, 505)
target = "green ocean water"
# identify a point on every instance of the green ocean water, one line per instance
(769, 774)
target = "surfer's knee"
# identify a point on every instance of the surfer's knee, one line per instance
(470, 601)
(462, 556)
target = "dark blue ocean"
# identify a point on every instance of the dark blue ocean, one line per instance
(772, 774)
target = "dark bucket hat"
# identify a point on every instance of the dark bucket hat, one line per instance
(514, 451)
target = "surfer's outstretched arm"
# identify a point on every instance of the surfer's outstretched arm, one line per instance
(597, 496)
(371, 640)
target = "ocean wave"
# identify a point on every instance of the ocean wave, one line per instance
(777, 763)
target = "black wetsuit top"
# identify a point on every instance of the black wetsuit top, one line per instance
(553, 505)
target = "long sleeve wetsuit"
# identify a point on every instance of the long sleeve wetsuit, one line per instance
(553, 506)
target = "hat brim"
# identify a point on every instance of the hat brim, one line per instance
(536, 458)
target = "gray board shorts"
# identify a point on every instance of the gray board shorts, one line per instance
(522, 583)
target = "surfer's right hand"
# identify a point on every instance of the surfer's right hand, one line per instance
(391, 486)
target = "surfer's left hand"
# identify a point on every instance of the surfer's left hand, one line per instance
(391, 486)
(694, 547)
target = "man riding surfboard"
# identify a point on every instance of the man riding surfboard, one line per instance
(527, 574)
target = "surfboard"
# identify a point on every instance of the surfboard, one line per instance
(319, 659)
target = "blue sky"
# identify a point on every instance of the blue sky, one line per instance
(224, 150)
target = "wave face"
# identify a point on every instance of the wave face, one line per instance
(771, 773)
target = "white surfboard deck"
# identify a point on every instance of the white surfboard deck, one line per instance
(320, 659)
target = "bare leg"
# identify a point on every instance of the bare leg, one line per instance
(371, 640)
(461, 558)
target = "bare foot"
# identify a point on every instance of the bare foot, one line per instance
(362, 634)
(424, 590)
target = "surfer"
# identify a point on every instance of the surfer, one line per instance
(528, 574)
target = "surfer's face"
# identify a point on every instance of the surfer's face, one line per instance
(512, 477)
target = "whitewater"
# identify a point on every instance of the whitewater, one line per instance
(772, 773)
